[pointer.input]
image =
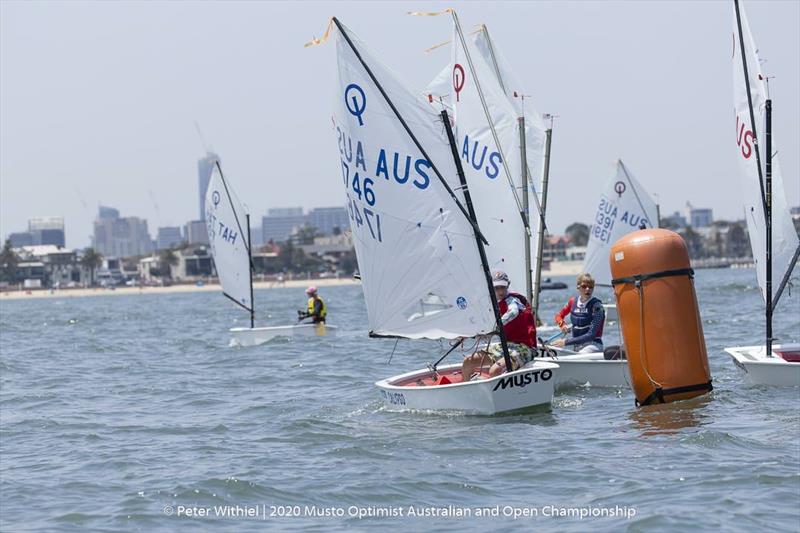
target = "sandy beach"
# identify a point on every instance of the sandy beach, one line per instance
(122, 291)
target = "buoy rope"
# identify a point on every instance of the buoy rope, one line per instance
(640, 290)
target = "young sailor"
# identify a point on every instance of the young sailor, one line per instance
(587, 316)
(519, 325)
(317, 310)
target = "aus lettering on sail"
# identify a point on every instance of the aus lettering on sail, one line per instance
(607, 216)
(744, 138)
(490, 165)
(360, 176)
(391, 165)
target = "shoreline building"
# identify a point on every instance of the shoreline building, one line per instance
(116, 236)
(195, 232)
(42, 231)
(698, 217)
(328, 219)
(281, 222)
(168, 237)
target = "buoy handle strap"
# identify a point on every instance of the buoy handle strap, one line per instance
(659, 393)
(638, 278)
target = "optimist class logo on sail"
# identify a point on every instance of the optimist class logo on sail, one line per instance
(361, 177)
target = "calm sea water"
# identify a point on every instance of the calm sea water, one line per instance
(119, 412)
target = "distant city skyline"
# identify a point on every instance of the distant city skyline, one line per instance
(114, 124)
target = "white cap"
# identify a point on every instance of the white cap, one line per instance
(500, 279)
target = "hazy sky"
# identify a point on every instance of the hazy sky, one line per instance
(98, 100)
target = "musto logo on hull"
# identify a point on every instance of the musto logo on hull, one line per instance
(523, 380)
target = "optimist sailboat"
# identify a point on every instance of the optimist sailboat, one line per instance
(534, 142)
(230, 247)
(417, 240)
(624, 207)
(772, 235)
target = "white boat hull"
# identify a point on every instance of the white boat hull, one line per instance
(589, 369)
(759, 369)
(530, 386)
(256, 336)
(611, 312)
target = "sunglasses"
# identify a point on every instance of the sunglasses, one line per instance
(584, 286)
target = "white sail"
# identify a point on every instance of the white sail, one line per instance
(535, 129)
(624, 206)
(420, 268)
(492, 169)
(784, 236)
(227, 235)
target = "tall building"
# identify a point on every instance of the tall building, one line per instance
(107, 213)
(168, 237)
(195, 232)
(701, 218)
(279, 223)
(205, 167)
(47, 230)
(116, 236)
(325, 219)
(20, 239)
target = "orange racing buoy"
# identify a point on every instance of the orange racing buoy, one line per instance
(663, 335)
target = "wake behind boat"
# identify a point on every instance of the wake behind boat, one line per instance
(232, 252)
(256, 336)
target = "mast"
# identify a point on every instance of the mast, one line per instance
(765, 202)
(250, 264)
(524, 183)
(768, 218)
(468, 200)
(540, 243)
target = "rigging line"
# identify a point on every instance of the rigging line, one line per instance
(522, 213)
(393, 349)
(786, 276)
(635, 192)
(408, 130)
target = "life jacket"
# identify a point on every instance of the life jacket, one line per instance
(582, 320)
(322, 312)
(522, 329)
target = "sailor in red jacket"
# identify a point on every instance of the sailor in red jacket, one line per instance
(519, 325)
